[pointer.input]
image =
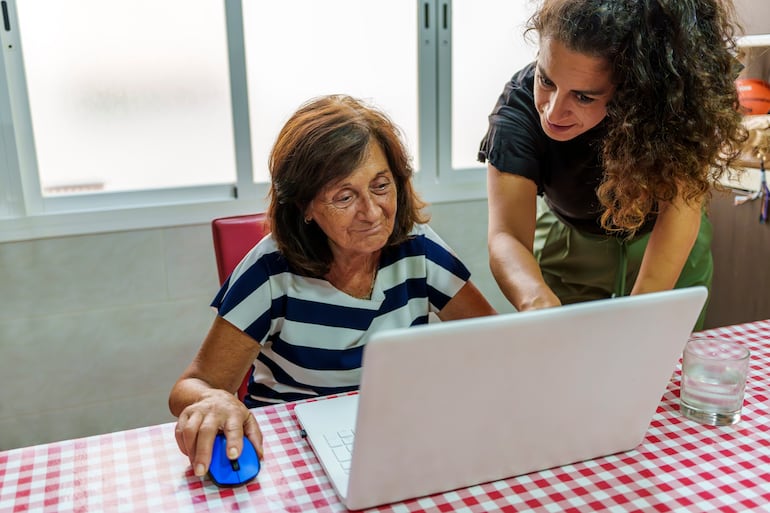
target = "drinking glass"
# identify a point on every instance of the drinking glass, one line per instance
(713, 380)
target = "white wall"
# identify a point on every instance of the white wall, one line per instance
(754, 15)
(95, 329)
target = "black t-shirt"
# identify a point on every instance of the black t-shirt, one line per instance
(566, 173)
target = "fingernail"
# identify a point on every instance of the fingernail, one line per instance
(200, 470)
(232, 453)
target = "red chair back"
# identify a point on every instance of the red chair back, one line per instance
(233, 237)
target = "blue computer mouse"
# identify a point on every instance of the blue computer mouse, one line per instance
(226, 472)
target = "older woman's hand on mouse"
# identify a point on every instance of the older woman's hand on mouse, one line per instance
(200, 422)
(204, 401)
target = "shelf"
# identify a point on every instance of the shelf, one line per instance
(748, 180)
(753, 41)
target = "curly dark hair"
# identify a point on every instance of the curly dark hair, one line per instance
(325, 140)
(674, 128)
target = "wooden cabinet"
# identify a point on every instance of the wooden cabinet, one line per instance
(741, 249)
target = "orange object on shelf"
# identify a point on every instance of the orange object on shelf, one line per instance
(753, 95)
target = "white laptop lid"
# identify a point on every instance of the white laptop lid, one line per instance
(453, 404)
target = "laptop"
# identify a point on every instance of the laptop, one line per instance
(453, 404)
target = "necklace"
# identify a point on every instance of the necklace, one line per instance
(368, 294)
(371, 286)
(352, 288)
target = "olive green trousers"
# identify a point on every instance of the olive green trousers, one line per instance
(581, 267)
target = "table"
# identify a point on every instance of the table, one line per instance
(680, 465)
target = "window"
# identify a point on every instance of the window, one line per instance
(487, 48)
(362, 48)
(123, 115)
(120, 102)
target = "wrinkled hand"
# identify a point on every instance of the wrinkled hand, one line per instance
(200, 422)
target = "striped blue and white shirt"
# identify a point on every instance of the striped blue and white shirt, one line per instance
(311, 334)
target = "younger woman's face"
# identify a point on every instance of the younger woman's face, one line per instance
(571, 90)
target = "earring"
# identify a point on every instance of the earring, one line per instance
(308, 219)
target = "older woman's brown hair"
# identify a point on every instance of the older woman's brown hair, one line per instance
(323, 142)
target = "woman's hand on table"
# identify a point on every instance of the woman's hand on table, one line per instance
(199, 423)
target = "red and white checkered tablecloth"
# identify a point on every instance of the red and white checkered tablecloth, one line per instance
(681, 465)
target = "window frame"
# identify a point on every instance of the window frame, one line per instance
(26, 214)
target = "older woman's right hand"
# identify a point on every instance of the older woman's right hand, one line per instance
(200, 422)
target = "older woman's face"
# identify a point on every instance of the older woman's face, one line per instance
(571, 90)
(358, 213)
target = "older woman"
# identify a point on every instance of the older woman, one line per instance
(349, 254)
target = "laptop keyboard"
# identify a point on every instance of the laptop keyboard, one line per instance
(341, 443)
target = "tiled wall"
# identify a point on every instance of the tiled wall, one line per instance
(95, 329)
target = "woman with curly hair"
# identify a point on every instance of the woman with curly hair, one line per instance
(602, 153)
